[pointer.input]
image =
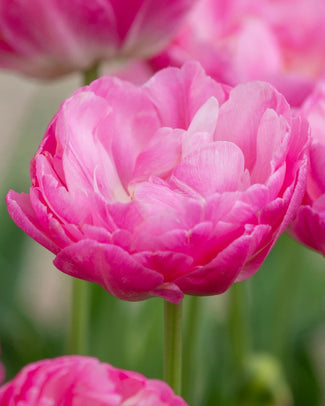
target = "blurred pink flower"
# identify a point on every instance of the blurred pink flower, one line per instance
(47, 38)
(309, 224)
(81, 381)
(181, 185)
(281, 41)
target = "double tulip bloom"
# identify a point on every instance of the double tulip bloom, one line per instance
(181, 185)
(309, 224)
(282, 42)
(81, 381)
(53, 37)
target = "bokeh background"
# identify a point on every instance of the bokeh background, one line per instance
(278, 322)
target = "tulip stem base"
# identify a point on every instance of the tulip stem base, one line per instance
(173, 346)
(91, 74)
(192, 317)
(78, 338)
(239, 323)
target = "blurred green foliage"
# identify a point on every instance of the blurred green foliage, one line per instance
(284, 317)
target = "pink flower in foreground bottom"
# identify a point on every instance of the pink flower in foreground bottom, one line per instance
(81, 381)
(309, 224)
(178, 186)
(47, 38)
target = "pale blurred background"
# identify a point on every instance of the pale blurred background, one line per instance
(26, 107)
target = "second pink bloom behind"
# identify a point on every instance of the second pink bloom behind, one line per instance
(48, 38)
(309, 223)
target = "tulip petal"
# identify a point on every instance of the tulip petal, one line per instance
(188, 89)
(111, 267)
(241, 125)
(213, 169)
(309, 227)
(163, 154)
(21, 211)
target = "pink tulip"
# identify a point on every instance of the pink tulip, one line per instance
(47, 38)
(309, 224)
(281, 41)
(181, 185)
(84, 381)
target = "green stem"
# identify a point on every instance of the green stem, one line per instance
(173, 346)
(91, 74)
(290, 257)
(239, 324)
(191, 332)
(80, 312)
(78, 340)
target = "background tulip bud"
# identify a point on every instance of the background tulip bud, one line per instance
(264, 383)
